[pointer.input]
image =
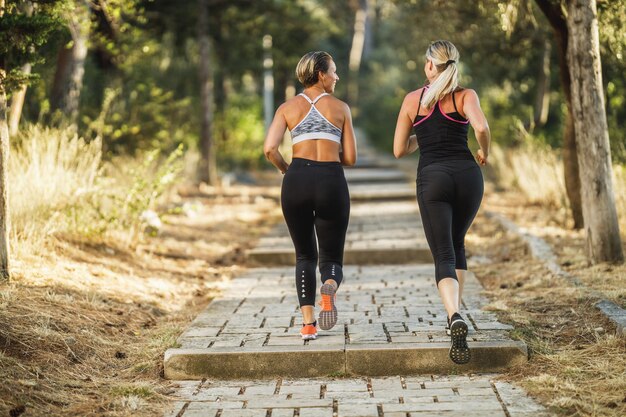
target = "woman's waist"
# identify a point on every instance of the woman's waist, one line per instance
(317, 150)
(449, 162)
(302, 162)
(447, 152)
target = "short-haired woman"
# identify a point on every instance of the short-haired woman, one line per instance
(449, 181)
(314, 196)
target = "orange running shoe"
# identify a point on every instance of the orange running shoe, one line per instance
(328, 314)
(309, 331)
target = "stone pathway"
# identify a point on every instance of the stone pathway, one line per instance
(391, 321)
(397, 396)
(243, 356)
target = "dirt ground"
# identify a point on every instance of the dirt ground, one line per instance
(83, 329)
(577, 365)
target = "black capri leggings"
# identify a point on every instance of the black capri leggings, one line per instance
(449, 195)
(315, 200)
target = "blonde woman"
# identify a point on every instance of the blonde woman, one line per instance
(449, 182)
(314, 196)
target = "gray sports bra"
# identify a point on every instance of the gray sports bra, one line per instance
(315, 125)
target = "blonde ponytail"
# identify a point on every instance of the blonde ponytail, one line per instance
(445, 57)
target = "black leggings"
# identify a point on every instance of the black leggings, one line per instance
(449, 195)
(315, 200)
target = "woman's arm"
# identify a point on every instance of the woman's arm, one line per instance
(273, 140)
(403, 144)
(348, 139)
(476, 117)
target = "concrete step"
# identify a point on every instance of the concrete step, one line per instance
(374, 175)
(410, 251)
(390, 236)
(391, 322)
(316, 360)
(382, 191)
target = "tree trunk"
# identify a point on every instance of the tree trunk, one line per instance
(4, 159)
(542, 100)
(356, 51)
(571, 168)
(17, 104)
(207, 171)
(219, 88)
(68, 79)
(592, 138)
(18, 97)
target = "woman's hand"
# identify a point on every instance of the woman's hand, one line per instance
(481, 157)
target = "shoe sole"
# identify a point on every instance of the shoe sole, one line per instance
(328, 318)
(459, 351)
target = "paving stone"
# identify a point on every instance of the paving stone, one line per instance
(299, 403)
(205, 393)
(382, 384)
(244, 413)
(265, 389)
(196, 342)
(315, 412)
(360, 410)
(448, 406)
(456, 384)
(358, 386)
(516, 400)
(197, 331)
(206, 412)
(214, 405)
(283, 412)
(175, 409)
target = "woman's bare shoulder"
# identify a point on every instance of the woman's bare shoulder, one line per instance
(415, 93)
(338, 105)
(463, 92)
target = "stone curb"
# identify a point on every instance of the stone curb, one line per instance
(394, 255)
(353, 360)
(542, 251)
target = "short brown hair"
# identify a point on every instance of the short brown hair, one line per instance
(310, 65)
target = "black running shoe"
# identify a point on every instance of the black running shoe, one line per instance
(447, 326)
(459, 351)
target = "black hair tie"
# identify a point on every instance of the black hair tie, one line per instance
(450, 61)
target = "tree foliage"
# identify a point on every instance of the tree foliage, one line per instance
(20, 35)
(141, 81)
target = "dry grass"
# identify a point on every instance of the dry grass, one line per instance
(60, 188)
(577, 365)
(83, 328)
(49, 171)
(94, 302)
(537, 171)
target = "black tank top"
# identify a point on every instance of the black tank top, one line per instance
(441, 136)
